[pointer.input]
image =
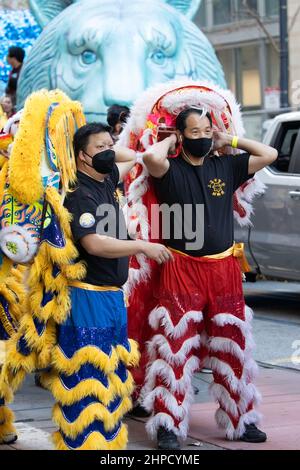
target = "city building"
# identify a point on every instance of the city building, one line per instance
(245, 35)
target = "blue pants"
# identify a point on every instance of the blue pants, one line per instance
(90, 380)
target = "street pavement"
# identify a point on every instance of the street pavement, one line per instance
(276, 323)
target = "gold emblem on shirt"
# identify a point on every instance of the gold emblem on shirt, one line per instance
(217, 186)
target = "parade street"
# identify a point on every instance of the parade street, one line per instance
(276, 329)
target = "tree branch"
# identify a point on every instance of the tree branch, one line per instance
(293, 20)
(260, 23)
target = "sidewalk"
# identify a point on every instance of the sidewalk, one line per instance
(280, 408)
(281, 405)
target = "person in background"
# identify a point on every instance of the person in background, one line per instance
(116, 118)
(15, 58)
(7, 104)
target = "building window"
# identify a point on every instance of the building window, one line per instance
(250, 77)
(242, 10)
(227, 59)
(273, 66)
(272, 7)
(222, 12)
(201, 16)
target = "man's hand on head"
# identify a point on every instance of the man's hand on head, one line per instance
(221, 140)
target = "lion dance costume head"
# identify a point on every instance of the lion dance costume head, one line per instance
(36, 250)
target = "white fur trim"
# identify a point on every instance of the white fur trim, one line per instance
(223, 319)
(136, 276)
(250, 369)
(245, 220)
(226, 371)
(245, 196)
(143, 106)
(12, 125)
(252, 417)
(247, 392)
(178, 411)
(160, 343)
(223, 420)
(133, 216)
(162, 369)
(227, 345)
(138, 187)
(254, 187)
(157, 421)
(166, 421)
(248, 314)
(222, 396)
(250, 395)
(160, 316)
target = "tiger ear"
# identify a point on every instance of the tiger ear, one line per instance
(45, 10)
(188, 8)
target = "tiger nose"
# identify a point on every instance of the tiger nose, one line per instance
(122, 83)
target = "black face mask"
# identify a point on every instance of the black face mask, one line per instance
(103, 162)
(198, 148)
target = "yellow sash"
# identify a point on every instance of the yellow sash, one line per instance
(237, 250)
(85, 286)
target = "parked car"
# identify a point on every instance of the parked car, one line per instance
(273, 243)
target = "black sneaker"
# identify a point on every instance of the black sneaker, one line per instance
(167, 440)
(252, 434)
(139, 411)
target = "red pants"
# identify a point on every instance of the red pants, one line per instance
(200, 319)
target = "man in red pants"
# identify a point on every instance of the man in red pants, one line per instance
(201, 311)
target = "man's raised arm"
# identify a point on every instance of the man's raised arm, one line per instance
(156, 156)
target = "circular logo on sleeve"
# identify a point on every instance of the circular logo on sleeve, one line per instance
(87, 220)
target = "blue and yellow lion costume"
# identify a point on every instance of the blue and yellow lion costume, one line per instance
(90, 383)
(36, 250)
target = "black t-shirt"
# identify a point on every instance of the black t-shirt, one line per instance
(13, 78)
(95, 209)
(199, 191)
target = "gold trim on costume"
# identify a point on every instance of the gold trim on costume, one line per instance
(236, 250)
(85, 286)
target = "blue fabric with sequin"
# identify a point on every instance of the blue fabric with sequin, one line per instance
(96, 426)
(97, 319)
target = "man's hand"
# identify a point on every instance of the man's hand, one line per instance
(221, 139)
(125, 160)
(157, 252)
(156, 156)
(111, 248)
(261, 155)
(173, 143)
